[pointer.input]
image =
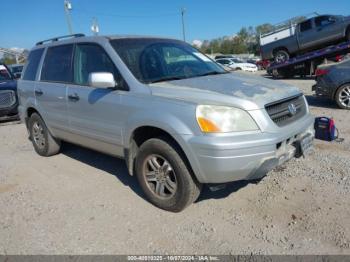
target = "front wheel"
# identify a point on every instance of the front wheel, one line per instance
(164, 176)
(281, 56)
(44, 143)
(342, 97)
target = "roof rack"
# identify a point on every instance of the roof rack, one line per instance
(59, 38)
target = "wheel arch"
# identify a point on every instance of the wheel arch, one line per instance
(145, 132)
(275, 50)
(340, 86)
(29, 111)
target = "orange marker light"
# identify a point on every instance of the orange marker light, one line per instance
(207, 126)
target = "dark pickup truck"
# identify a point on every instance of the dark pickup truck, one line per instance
(308, 35)
(8, 95)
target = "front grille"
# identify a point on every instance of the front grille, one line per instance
(7, 98)
(280, 113)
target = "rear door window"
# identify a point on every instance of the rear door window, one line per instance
(33, 64)
(57, 65)
(305, 26)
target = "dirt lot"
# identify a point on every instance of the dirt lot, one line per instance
(82, 202)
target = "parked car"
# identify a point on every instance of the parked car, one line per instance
(16, 70)
(223, 56)
(176, 117)
(263, 64)
(333, 81)
(311, 34)
(8, 95)
(237, 64)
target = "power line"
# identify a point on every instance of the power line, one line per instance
(82, 10)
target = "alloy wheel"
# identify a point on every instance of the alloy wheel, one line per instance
(344, 97)
(38, 135)
(160, 176)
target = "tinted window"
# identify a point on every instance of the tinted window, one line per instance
(323, 20)
(57, 65)
(304, 26)
(90, 58)
(32, 64)
(4, 73)
(223, 62)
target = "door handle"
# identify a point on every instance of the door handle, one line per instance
(73, 97)
(39, 92)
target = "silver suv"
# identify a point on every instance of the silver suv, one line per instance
(177, 118)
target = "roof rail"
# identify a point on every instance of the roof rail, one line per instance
(59, 38)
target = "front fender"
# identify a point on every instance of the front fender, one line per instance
(170, 123)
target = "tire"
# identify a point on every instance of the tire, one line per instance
(44, 143)
(238, 69)
(281, 56)
(342, 97)
(180, 188)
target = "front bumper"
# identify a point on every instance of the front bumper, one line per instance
(245, 157)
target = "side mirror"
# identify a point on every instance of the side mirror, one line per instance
(102, 80)
(332, 19)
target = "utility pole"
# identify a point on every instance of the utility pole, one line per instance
(67, 9)
(183, 10)
(95, 28)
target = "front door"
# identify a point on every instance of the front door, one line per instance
(329, 29)
(93, 112)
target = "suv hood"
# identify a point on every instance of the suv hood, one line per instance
(232, 89)
(8, 85)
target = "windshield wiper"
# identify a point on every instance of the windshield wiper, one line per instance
(212, 73)
(169, 78)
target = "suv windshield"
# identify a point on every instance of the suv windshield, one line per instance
(156, 60)
(4, 74)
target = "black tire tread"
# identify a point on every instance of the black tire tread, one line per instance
(53, 145)
(194, 187)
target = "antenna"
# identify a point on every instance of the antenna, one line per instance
(95, 27)
(183, 10)
(67, 8)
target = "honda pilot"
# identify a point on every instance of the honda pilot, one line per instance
(177, 118)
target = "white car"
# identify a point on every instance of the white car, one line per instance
(237, 64)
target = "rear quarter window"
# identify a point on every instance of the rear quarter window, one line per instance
(32, 64)
(57, 65)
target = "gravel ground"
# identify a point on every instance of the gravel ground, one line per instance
(83, 202)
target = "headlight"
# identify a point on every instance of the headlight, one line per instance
(221, 119)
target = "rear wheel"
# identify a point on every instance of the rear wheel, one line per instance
(44, 143)
(281, 56)
(342, 97)
(164, 176)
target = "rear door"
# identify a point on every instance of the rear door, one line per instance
(94, 112)
(51, 90)
(306, 34)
